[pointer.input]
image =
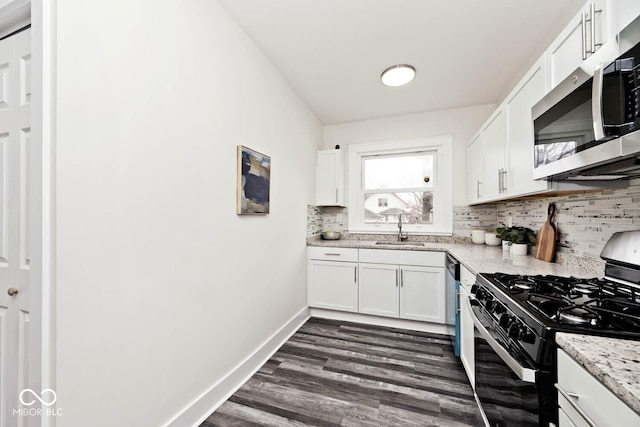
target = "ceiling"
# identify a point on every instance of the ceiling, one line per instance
(466, 52)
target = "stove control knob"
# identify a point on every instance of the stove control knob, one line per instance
(480, 293)
(499, 309)
(514, 330)
(527, 336)
(504, 321)
(491, 304)
(474, 288)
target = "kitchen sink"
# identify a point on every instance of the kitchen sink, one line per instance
(400, 243)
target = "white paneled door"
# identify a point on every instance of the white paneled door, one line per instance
(15, 139)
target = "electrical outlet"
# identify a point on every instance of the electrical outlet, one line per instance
(339, 217)
(509, 221)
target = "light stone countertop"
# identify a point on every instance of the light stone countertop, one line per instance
(614, 362)
(477, 258)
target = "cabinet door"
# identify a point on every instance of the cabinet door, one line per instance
(519, 177)
(466, 336)
(333, 285)
(330, 178)
(623, 11)
(594, 399)
(494, 141)
(475, 169)
(422, 294)
(572, 46)
(378, 289)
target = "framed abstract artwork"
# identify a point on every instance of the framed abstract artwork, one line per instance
(254, 176)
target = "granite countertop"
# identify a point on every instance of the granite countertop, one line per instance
(477, 258)
(614, 362)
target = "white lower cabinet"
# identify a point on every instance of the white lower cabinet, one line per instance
(467, 331)
(422, 294)
(379, 290)
(466, 336)
(333, 278)
(391, 283)
(406, 292)
(415, 291)
(585, 401)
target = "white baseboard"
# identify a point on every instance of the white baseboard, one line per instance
(390, 322)
(203, 406)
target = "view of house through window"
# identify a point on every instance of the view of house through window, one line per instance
(399, 187)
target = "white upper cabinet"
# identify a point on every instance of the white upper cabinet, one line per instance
(518, 180)
(475, 168)
(578, 44)
(622, 12)
(330, 178)
(494, 139)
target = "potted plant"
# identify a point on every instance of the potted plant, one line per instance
(518, 238)
(504, 233)
(522, 237)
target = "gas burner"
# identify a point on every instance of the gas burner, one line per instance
(579, 315)
(521, 284)
(585, 288)
(516, 283)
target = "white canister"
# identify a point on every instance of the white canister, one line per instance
(477, 236)
(492, 239)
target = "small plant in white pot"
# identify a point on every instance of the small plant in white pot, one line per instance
(516, 239)
(504, 233)
(520, 239)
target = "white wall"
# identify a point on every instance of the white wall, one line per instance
(462, 123)
(161, 288)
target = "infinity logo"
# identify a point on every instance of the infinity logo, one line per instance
(40, 397)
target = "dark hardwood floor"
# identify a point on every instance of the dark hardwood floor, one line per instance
(332, 373)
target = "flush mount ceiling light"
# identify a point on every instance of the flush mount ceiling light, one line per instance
(398, 75)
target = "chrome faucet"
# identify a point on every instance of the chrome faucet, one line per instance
(401, 236)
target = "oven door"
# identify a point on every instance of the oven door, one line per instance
(505, 386)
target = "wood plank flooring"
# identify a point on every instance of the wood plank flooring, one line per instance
(332, 373)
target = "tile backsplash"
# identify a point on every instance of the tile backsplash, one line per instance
(584, 221)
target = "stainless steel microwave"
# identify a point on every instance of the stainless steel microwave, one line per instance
(588, 127)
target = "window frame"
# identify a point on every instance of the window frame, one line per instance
(442, 188)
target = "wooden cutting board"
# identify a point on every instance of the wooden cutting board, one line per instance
(546, 240)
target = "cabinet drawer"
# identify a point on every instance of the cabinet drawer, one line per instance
(595, 399)
(467, 278)
(382, 256)
(333, 254)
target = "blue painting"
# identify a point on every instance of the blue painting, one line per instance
(254, 176)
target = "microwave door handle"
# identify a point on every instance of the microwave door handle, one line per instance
(596, 103)
(525, 374)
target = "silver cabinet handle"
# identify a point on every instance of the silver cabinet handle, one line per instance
(478, 188)
(457, 299)
(592, 10)
(355, 274)
(583, 24)
(331, 254)
(397, 277)
(504, 180)
(336, 195)
(570, 398)
(500, 185)
(401, 278)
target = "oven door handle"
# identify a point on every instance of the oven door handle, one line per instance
(525, 374)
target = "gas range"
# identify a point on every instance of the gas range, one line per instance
(517, 316)
(529, 310)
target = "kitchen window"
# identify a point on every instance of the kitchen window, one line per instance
(409, 181)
